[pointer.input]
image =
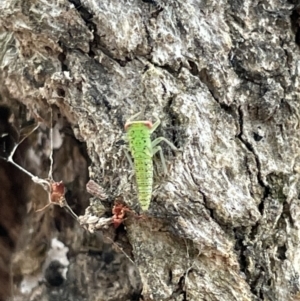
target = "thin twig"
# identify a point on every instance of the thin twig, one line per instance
(120, 250)
(50, 176)
(74, 215)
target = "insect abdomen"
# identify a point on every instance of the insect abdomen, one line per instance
(144, 179)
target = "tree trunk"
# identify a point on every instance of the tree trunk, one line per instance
(222, 76)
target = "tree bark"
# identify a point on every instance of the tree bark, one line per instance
(222, 76)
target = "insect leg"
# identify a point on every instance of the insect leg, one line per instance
(130, 162)
(128, 158)
(162, 158)
(160, 139)
(156, 148)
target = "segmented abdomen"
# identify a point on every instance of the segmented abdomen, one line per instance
(141, 151)
(144, 178)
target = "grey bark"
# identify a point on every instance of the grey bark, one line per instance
(223, 78)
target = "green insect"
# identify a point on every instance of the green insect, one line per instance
(142, 150)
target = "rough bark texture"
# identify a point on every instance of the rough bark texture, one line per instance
(223, 77)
